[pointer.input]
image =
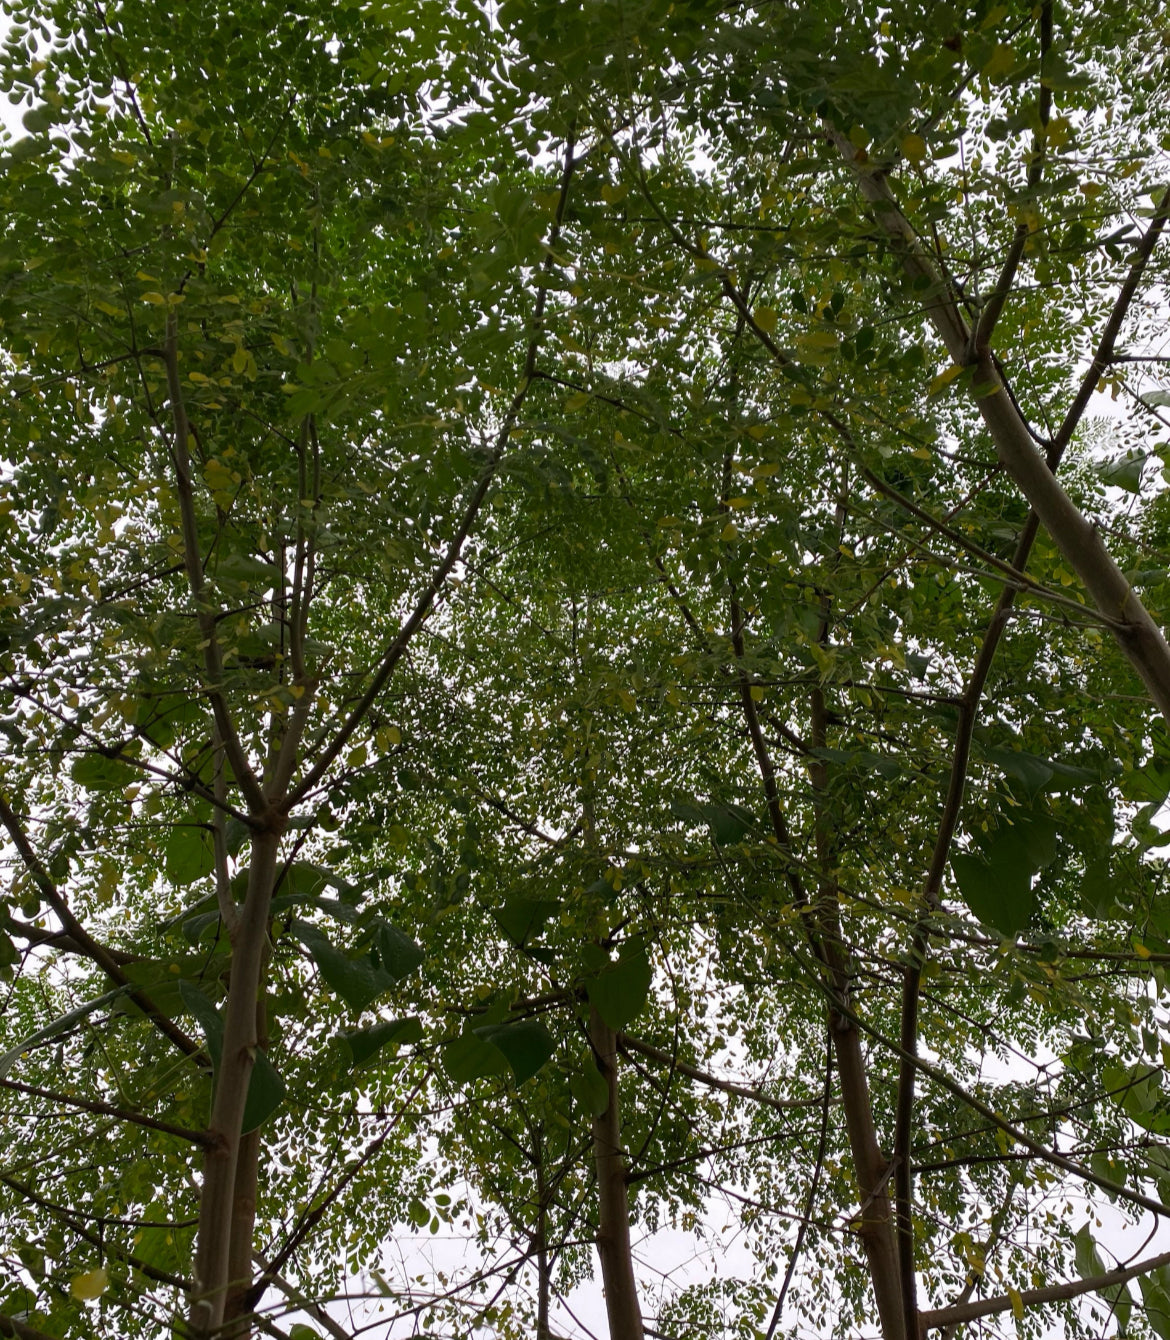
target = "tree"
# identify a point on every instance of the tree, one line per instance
(571, 649)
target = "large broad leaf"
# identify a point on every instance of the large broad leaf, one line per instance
(1089, 1265)
(357, 981)
(1003, 900)
(1032, 772)
(266, 1090)
(1156, 1297)
(472, 1057)
(97, 772)
(522, 918)
(587, 1085)
(526, 1045)
(366, 1043)
(189, 854)
(996, 883)
(397, 953)
(619, 993)
(728, 823)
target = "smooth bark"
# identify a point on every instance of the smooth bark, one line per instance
(213, 1258)
(613, 1207)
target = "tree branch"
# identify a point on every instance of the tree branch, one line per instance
(86, 944)
(425, 602)
(1053, 1293)
(109, 1110)
(193, 564)
(785, 1105)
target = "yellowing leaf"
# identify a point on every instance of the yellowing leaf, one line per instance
(153, 297)
(1017, 1303)
(1002, 62)
(729, 532)
(943, 378)
(913, 148)
(765, 318)
(90, 1285)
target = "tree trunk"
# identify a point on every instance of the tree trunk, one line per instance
(613, 1230)
(218, 1246)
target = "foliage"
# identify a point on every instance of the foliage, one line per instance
(535, 697)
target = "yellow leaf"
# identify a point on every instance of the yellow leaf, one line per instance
(1140, 950)
(90, 1285)
(152, 296)
(729, 533)
(943, 379)
(1017, 1303)
(765, 318)
(821, 339)
(1002, 62)
(914, 148)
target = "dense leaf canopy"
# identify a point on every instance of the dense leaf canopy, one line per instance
(579, 669)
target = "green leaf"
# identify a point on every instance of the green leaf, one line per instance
(1033, 772)
(398, 954)
(522, 918)
(189, 854)
(996, 881)
(357, 981)
(365, 1043)
(38, 119)
(98, 772)
(1124, 472)
(471, 1057)
(1003, 900)
(587, 1085)
(1155, 1289)
(249, 572)
(619, 993)
(728, 823)
(526, 1045)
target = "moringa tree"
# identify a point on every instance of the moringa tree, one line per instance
(572, 654)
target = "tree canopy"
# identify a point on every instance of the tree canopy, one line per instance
(580, 669)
